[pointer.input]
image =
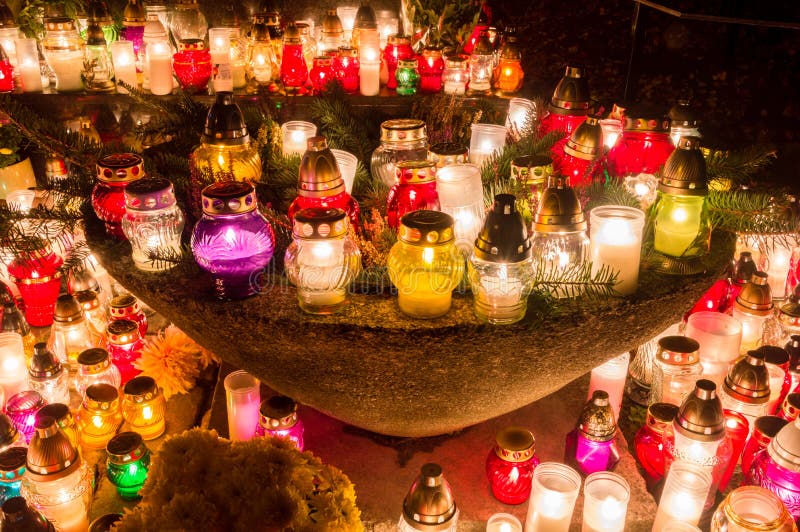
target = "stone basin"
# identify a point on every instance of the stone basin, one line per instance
(374, 368)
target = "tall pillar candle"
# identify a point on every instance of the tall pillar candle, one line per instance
(30, 72)
(219, 42)
(124, 64)
(611, 378)
(243, 398)
(616, 243)
(159, 60)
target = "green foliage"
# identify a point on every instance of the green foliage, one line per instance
(449, 23)
(345, 128)
(29, 17)
(11, 141)
(736, 168)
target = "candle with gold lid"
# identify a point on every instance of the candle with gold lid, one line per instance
(144, 407)
(61, 413)
(414, 189)
(47, 376)
(95, 367)
(677, 367)
(752, 308)
(125, 347)
(648, 442)
(429, 505)
(510, 465)
(580, 160)
(746, 387)
(591, 446)
(99, 416)
(114, 173)
(9, 435)
(278, 417)
(69, 334)
(448, 154)
(127, 307)
(127, 464)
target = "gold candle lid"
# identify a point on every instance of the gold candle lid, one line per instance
(50, 454)
(596, 421)
(121, 332)
(228, 197)
(515, 444)
(678, 350)
(315, 224)
(756, 297)
(426, 228)
(748, 379)
(125, 447)
(660, 415)
(277, 413)
(101, 396)
(415, 172)
(403, 130)
(67, 310)
(684, 172)
(586, 142)
(429, 505)
(320, 176)
(120, 168)
(94, 360)
(559, 209)
(141, 389)
(571, 95)
(701, 416)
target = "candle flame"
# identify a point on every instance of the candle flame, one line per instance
(427, 255)
(97, 421)
(641, 189)
(147, 413)
(680, 215)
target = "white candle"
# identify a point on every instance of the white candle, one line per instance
(461, 196)
(370, 78)
(159, 60)
(348, 163)
(778, 259)
(752, 329)
(719, 336)
(295, 135)
(610, 377)
(684, 495)
(8, 40)
(553, 494)
(616, 243)
(239, 72)
(503, 523)
(520, 111)
(486, 139)
(605, 502)
(243, 398)
(67, 67)
(124, 64)
(13, 372)
(219, 41)
(30, 72)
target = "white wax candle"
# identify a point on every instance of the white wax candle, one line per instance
(503, 523)
(778, 270)
(370, 78)
(243, 400)
(608, 516)
(67, 67)
(124, 64)
(13, 372)
(617, 244)
(30, 76)
(552, 513)
(610, 377)
(161, 81)
(222, 74)
(239, 74)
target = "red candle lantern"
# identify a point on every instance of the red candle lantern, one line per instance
(414, 190)
(569, 105)
(127, 307)
(790, 407)
(294, 70)
(346, 66)
(431, 67)
(644, 145)
(320, 184)
(779, 358)
(6, 72)
(764, 429)
(114, 172)
(125, 347)
(737, 428)
(192, 65)
(580, 160)
(322, 73)
(649, 440)
(510, 465)
(398, 47)
(484, 19)
(37, 276)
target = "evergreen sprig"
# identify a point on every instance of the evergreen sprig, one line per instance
(574, 280)
(737, 168)
(343, 127)
(749, 211)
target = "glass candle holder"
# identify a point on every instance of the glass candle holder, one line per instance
(397, 47)
(611, 378)
(581, 158)
(232, 241)
(322, 73)
(159, 66)
(144, 407)
(684, 495)
(9, 435)
(425, 264)
(719, 336)
(192, 65)
(764, 429)
(388, 24)
(295, 136)
(58, 483)
(503, 522)
(616, 243)
(510, 465)
(98, 70)
(332, 32)
(612, 130)
(448, 154)
(486, 140)
(69, 334)
(322, 260)
(155, 35)
(407, 77)
(63, 49)
(429, 503)
(125, 347)
(346, 66)
(95, 314)
(401, 140)
(431, 68)
(127, 307)
(262, 64)
(243, 398)
(21, 409)
(29, 68)
(95, 367)
(677, 368)
(64, 420)
(648, 442)
(591, 446)
(153, 223)
(508, 73)
(605, 502)
(790, 409)
(414, 189)
(114, 173)
(369, 77)
(481, 63)
(99, 416)
(348, 164)
(460, 191)
(13, 375)
(12, 468)
(278, 418)
(47, 376)
(776, 259)
(569, 104)
(777, 469)
(37, 276)
(219, 45)
(186, 21)
(127, 464)
(123, 54)
(752, 508)
(294, 69)
(521, 113)
(644, 145)
(456, 75)
(737, 428)
(554, 491)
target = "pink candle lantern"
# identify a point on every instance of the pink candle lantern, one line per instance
(346, 66)
(21, 408)
(414, 190)
(790, 408)
(764, 429)
(590, 447)
(192, 65)
(581, 158)
(737, 428)
(278, 417)
(127, 307)
(644, 145)
(568, 106)
(778, 469)
(510, 465)
(125, 347)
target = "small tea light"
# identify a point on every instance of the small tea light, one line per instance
(99, 416)
(503, 523)
(605, 502)
(295, 136)
(278, 417)
(486, 140)
(616, 243)
(124, 63)
(127, 464)
(612, 129)
(21, 409)
(521, 112)
(144, 407)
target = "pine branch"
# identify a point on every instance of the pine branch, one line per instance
(747, 211)
(343, 127)
(738, 167)
(575, 280)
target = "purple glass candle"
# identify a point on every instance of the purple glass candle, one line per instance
(232, 241)
(22, 408)
(278, 417)
(591, 447)
(778, 468)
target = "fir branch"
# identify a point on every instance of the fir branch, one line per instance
(748, 211)
(343, 127)
(611, 193)
(575, 280)
(735, 168)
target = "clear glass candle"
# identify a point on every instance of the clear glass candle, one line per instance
(503, 522)
(63, 49)
(554, 491)
(127, 307)
(460, 192)
(322, 260)
(58, 483)
(232, 241)
(192, 65)
(752, 508)
(123, 54)
(775, 259)
(429, 503)
(47, 376)
(38, 279)
(153, 223)
(69, 334)
(95, 314)
(295, 134)
(481, 63)
(521, 113)
(13, 377)
(127, 464)
(99, 416)
(12, 468)
(683, 497)
(144, 407)
(485, 141)
(719, 336)
(114, 173)
(510, 465)
(278, 418)
(243, 398)
(21, 409)
(648, 443)
(401, 140)
(98, 70)
(677, 367)
(605, 502)
(95, 367)
(414, 189)
(456, 75)
(616, 243)
(186, 21)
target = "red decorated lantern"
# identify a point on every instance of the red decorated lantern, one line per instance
(346, 66)
(127, 307)
(398, 47)
(125, 347)
(322, 73)
(581, 159)
(36, 274)
(294, 70)
(430, 67)
(644, 145)
(649, 440)
(510, 465)
(114, 172)
(414, 190)
(192, 65)
(569, 105)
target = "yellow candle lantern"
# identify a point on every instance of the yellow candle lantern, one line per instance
(144, 407)
(99, 416)
(425, 264)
